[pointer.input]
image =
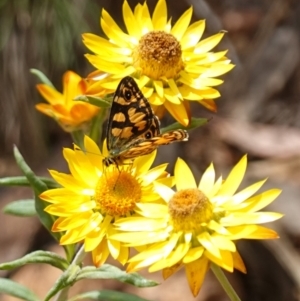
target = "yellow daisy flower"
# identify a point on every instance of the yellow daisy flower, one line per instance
(93, 197)
(198, 224)
(71, 115)
(171, 64)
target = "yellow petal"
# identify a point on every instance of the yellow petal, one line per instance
(235, 219)
(223, 243)
(57, 195)
(213, 225)
(193, 254)
(239, 232)
(143, 163)
(140, 223)
(209, 104)
(207, 180)
(164, 191)
(93, 153)
(168, 272)
(123, 255)
(153, 174)
(74, 221)
(205, 240)
(238, 262)
(113, 31)
(156, 100)
(101, 46)
(262, 200)
(247, 192)
(182, 24)
(156, 211)
(172, 259)
(195, 273)
(100, 254)
(171, 96)
(142, 15)
(174, 88)
(184, 176)
(50, 94)
(114, 248)
(92, 240)
(225, 260)
(178, 112)
(208, 43)
(192, 35)
(263, 233)
(159, 17)
(130, 21)
(159, 88)
(70, 237)
(73, 85)
(235, 178)
(105, 66)
(217, 69)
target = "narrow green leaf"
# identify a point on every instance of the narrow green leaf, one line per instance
(95, 100)
(23, 208)
(107, 295)
(107, 271)
(22, 181)
(37, 257)
(34, 181)
(195, 122)
(12, 288)
(38, 187)
(42, 77)
(46, 219)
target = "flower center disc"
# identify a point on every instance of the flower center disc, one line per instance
(158, 54)
(117, 193)
(189, 209)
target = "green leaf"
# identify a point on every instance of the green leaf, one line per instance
(195, 122)
(46, 219)
(22, 181)
(107, 295)
(42, 77)
(37, 257)
(24, 208)
(34, 181)
(38, 187)
(12, 288)
(107, 271)
(95, 100)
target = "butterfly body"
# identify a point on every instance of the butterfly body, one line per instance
(133, 129)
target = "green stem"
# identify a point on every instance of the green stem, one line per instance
(225, 283)
(62, 295)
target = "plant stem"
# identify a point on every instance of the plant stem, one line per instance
(225, 283)
(62, 295)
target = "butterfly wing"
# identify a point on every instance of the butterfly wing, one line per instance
(144, 146)
(131, 118)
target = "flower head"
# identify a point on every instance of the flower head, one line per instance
(172, 65)
(198, 224)
(71, 115)
(93, 197)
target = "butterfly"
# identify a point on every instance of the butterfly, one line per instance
(133, 129)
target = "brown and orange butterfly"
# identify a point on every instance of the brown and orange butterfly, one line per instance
(133, 129)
